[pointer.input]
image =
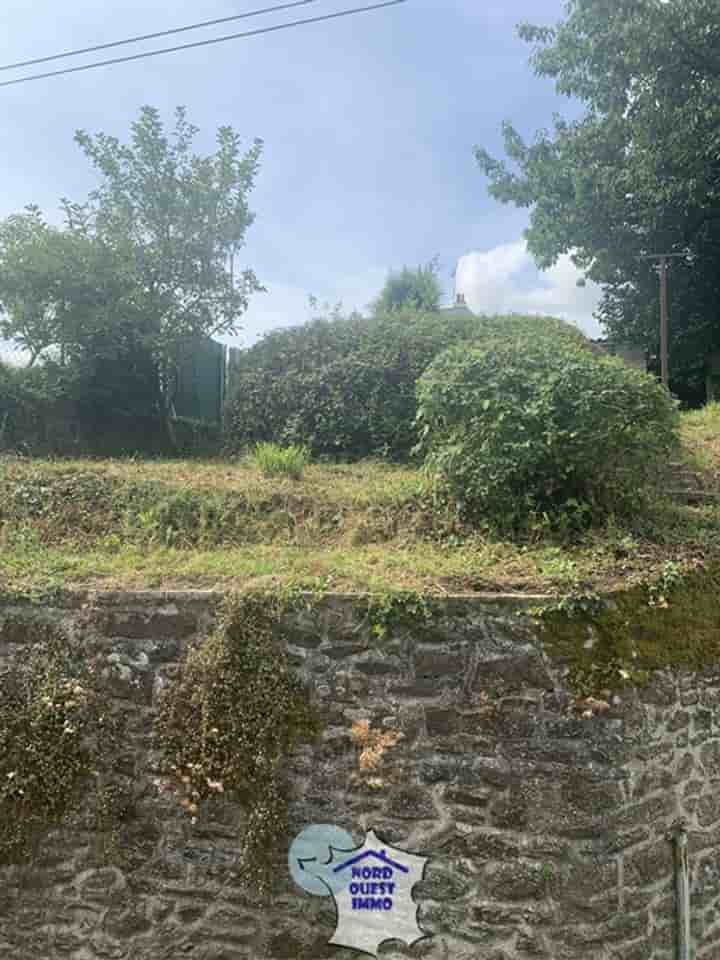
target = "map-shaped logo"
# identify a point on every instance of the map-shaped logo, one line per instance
(371, 884)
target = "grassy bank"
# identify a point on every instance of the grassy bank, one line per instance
(367, 526)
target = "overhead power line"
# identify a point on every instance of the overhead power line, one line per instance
(153, 36)
(204, 43)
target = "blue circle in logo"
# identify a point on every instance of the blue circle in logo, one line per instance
(311, 858)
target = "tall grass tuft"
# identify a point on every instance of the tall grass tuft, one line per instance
(276, 461)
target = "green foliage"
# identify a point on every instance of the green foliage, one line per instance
(519, 325)
(344, 387)
(275, 461)
(405, 608)
(417, 289)
(229, 721)
(95, 409)
(20, 411)
(141, 270)
(535, 430)
(183, 519)
(637, 173)
(57, 741)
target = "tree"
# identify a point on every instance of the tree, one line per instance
(638, 173)
(418, 289)
(147, 264)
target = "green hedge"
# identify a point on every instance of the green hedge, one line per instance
(40, 415)
(346, 387)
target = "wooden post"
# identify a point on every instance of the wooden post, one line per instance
(664, 324)
(712, 375)
(663, 258)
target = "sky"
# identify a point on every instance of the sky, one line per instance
(369, 125)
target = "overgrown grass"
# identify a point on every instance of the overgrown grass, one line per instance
(700, 432)
(359, 527)
(275, 461)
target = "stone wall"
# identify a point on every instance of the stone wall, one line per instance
(547, 822)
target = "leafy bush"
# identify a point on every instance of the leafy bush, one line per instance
(23, 406)
(536, 428)
(345, 387)
(275, 461)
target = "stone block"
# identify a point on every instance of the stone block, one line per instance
(441, 721)
(708, 810)
(517, 880)
(410, 802)
(649, 865)
(515, 672)
(492, 845)
(151, 625)
(440, 664)
(710, 758)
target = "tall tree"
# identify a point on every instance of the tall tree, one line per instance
(638, 173)
(149, 258)
(419, 289)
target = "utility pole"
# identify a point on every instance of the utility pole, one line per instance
(662, 259)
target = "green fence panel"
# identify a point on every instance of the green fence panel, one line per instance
(201, 382)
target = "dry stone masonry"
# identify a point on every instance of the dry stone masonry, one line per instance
(549, 828)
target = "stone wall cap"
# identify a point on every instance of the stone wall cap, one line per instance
(111, 598)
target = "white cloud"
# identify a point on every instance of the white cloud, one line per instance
(504, 279)
(10, 354)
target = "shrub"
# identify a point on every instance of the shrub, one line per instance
(536, 428)
(22, 407)
(275, 461)
(345, 387)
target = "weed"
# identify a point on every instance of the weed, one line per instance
(275, 461)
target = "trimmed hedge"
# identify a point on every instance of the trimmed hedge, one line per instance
(345, 387)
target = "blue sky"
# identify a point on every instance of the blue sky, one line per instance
(369, 126)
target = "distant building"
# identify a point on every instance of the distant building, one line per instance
(458, 307)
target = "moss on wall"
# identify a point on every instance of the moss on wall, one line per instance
(621, 639)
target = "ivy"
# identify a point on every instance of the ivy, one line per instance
(404, 608)
(58, 739)
(229, 721)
